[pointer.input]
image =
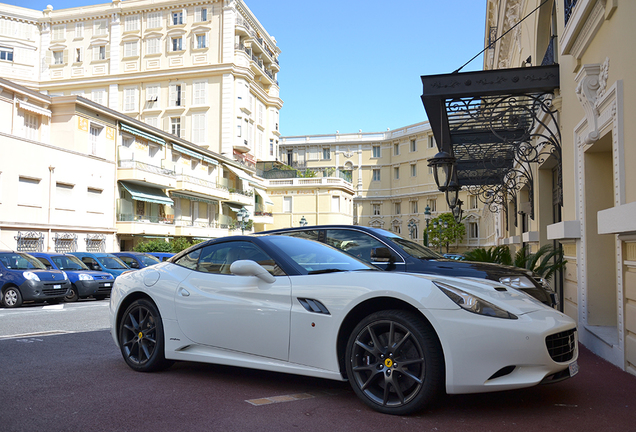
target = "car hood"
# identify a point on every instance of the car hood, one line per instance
(510, 299)
(474, 269)
(49, 275)
(94, 273)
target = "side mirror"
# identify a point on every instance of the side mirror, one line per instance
(134, 264)
(251, 268)
(96, 267)
(381, 254)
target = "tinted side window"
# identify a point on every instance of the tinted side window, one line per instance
(218, 258)
(355, 243)
(190, 260)
(308, 234)
(45, 262)
(126, 260)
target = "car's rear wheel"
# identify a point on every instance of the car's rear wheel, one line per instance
(11, 297)
(394, 362)
(72, 295)
(141, 337)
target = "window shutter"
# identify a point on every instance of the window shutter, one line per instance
(185, 16)
(49, 57)
(65, 57)
(166, 124)
(197, 14)
(183, 95)
(183, 127)
(107, 51)
(172, 95)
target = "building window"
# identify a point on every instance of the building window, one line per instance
(154, 20)
(376, 175)
(271, 147)
(131, 23)
(6, 54)
(31, 126)
(29, 192)
(95, 134)
(177, 18)
(79, 30)
(152, 96)
(177, 95)
(377, 152)
(177, 43)
(432, 204)
(130, 99)
(200, 14)
(78, 55)
(287, 204)
(64, 196)
(431, 141)
(377, 209)
(58, 57)
(396, 149)
(413, 170)
(202, 41)
(99, 52)
(153, 46)
(326, 153)
(175, 126)
(198, 128)
(130, 49)
(98, 96)
(398, 208)
(59, 32)
(414, 207)
(335, 204)
(473, 230)
(413, 146)
(473, 203)
(199, 93)
(396, 173)
(152, 121)
(100, 27)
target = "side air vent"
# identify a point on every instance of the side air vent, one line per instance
(313, 306)
(562, 346)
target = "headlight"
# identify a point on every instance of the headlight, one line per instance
(517, 281)
(85, 277)
(472, 303)
(65, 275)
(31, 276)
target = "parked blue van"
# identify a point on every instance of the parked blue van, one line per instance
(137, 260)
(162, 256)
(85, 282)
(105, 262)
(24, 278)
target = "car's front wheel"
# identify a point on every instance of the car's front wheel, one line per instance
(395, 362)
(141, 337)
(72, 295)
(11, 297)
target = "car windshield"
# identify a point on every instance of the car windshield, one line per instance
(317, 257)
(112, 262)
(148, 260)
(20, 261)
(69, 262)
(416, 250)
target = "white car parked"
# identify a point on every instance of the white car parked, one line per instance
(297, 306)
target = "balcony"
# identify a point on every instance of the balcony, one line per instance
(128, 223)
(241, 197)
(133, 170)
(261, 215)
(332, 182)
(184, 226)
(199, 186)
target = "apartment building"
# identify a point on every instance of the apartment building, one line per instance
(203, 71)
(391, 180)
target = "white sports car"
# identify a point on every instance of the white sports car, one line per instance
(297, 306)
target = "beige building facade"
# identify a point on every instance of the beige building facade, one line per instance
(581, 194)
(392, 183)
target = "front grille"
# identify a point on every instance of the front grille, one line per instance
(562, 346)
(48, 289)
(105, 289)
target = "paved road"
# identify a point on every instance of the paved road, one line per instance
(79, 382)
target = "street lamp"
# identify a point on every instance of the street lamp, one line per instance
(412, 227)
(443, 164)
(242, 216)
(427, 218)
(458, 212)
(438, 228)
(303, 221)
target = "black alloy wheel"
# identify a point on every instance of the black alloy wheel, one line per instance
(72, 295)
(394, 362)
(141, 337)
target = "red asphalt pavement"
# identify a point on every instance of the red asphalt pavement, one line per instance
(79, 382)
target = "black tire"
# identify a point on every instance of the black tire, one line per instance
(395, 362)
(72, 295)
(11, 297)
(141, 337)
(100, 297)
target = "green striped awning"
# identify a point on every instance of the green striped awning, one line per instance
(186, 151)
(140, 133)
(146, 193)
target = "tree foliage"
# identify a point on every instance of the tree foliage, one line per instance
(444, 236)
(174, 245)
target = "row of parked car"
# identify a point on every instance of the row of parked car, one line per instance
(56, 277)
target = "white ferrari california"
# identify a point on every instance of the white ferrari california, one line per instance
(297, 306)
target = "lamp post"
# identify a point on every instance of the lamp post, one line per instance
(412, 226)
(303, 221)
(242, 216)
(427, 218)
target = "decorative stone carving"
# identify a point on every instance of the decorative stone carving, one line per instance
(591, 82)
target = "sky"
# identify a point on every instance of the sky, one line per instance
(356, 64)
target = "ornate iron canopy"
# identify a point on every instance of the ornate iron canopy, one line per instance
(496, 123)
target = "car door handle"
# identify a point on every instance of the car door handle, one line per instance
(184, 292)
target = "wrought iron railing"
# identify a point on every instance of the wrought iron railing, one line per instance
(130, 217)
(30, 241)
(201, 182)
(130, 163)
(65, 242)
(95, 243)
